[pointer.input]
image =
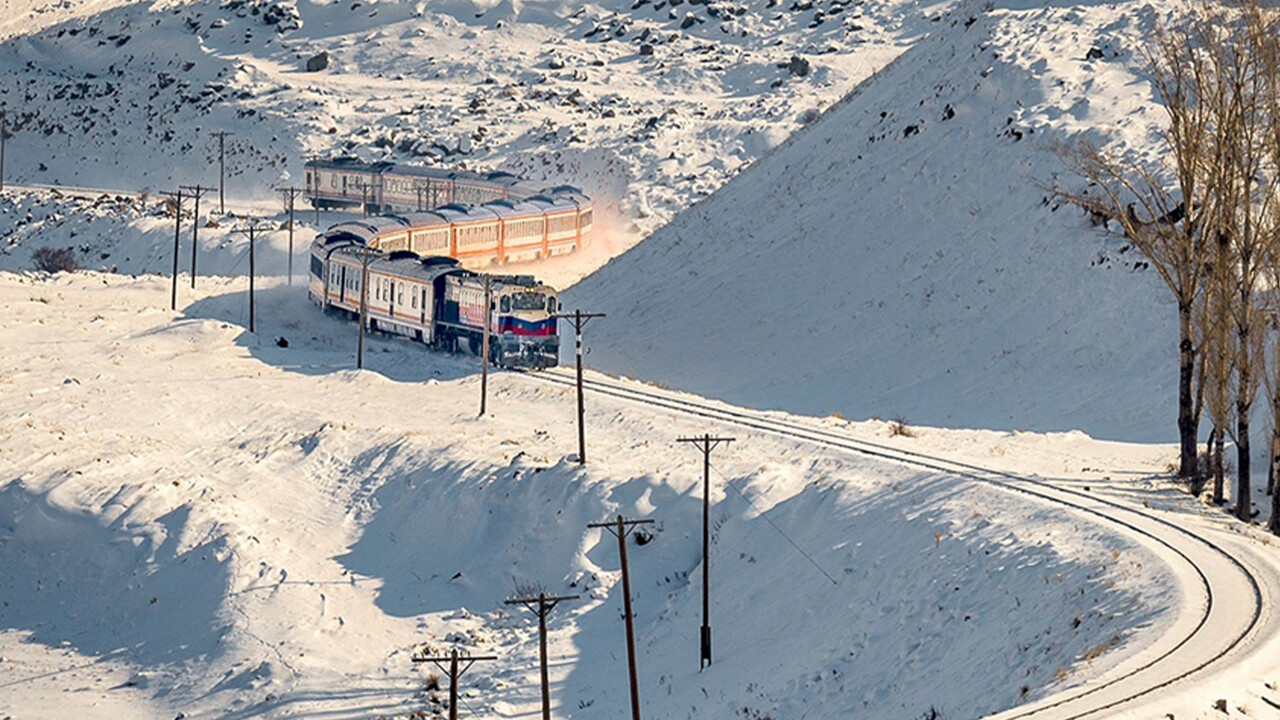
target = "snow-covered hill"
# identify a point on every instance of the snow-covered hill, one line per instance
(198, 521)
(898, 258)
(648, 105)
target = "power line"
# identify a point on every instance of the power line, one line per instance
(774, 525)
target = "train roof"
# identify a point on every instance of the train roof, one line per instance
(465, 213)
(510, 209)
(350, 163)
(367, 229)
(556, 203)
(419, 171)
(409, 264)
(419, 220)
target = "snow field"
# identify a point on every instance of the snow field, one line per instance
(290, 531)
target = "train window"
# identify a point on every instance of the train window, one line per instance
(529, 301)
(506, 304)
(400, 295)
(414, 297)
(551, 304)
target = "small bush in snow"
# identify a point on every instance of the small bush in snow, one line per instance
(898, 428)
(52, 260)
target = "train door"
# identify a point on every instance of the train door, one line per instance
(342, 286)
(391, 300)
(422, 306)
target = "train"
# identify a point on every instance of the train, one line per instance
(435, 301)
(477, 219)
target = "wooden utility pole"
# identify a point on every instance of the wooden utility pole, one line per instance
(289, 193)
(542, 605)
(251, 232)
(177, 225)
(222, 169)
(4, 135)
(366, 255)
(364, 198)
(579, 320)
(620, 528)
(706, 444)
(454, 673)
(484, 351)
(196, 191)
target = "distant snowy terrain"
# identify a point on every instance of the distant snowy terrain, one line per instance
(199, 521)
(897, 258)
(648, 105)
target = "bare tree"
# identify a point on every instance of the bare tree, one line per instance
(1159, 204)
(1264, 39)
(1250, 196)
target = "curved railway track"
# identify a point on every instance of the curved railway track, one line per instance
(1227, 612)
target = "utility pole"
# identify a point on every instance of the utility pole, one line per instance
(177, 224)
(4, 135)
(314, 162)
(366, 255)
(542, 605)
(706, 444)
(289, 194)
(579, 320)
(251, 231)
(620, 528)
(454, 673)
(364, 198)
(484, 352)
(222, 169)
(196, 191)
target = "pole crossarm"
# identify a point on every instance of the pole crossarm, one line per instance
(612, 525)
(454, 672)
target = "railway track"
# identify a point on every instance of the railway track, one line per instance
(1223, 615)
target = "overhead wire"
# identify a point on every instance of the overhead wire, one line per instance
(772, 524)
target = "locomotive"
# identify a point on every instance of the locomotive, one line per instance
(435, 301)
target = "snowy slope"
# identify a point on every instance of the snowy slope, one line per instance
(898, 258)
(197, 520)
(647, 105)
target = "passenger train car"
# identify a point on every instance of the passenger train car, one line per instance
(435, 301)
(552, 223)
(387, 187)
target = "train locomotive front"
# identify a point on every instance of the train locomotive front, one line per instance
(523, 325)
